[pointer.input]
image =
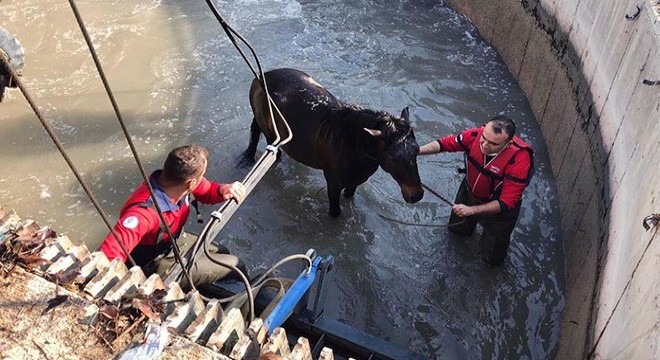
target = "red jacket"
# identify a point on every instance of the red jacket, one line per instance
(139, 223)
(503, 178)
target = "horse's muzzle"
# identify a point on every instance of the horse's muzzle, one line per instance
(412, 194)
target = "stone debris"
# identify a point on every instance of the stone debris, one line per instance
(120, 300)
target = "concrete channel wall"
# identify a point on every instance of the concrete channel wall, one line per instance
(582, 65)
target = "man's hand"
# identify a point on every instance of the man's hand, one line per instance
(235, 190)
(463, 210)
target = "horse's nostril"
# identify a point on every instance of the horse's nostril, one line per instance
(412, 195)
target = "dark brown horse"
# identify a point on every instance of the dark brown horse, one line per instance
(346, 142)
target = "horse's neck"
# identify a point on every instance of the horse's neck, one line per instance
(366, 144)
(355, 120)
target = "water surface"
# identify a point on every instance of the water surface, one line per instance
(178, 80)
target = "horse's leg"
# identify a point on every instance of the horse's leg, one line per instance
(247, 158)
(334, 189)
(349, 191)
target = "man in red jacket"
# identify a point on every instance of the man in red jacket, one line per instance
(139, 226)
(498, 167)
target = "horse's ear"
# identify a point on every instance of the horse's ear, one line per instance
(374, 133)
(404, 114)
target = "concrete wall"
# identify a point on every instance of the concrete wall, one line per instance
(581, 65)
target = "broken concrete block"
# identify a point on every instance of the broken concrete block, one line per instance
(251, 341)
(277, 343)
(207, 322)
(174, 294)
(63, 241)
(257, 328)
(91, 266)
(247, 342)
(326, 354)
(301, 351)
(228, 333)
(241, 347)
(153, 283)
(185, 313)
(129, 283)
(105, 280)
(9, 224)
(73, 257)
(55, 249)
(27, 229)
(91, 315)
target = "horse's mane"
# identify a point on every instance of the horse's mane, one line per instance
(354, 116)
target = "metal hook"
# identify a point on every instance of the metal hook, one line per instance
(650, 82)
(651, 220)
(635, 15)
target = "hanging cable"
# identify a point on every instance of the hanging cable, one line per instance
(99, 68)
(244, 278)
(58, 144)
(258, 74)
(213, 227)
(260, 280)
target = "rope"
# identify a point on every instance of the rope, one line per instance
(438, 195)
(58, 144)
(99, 68)
(408, 223)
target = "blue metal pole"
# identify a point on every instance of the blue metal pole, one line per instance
(285, 307)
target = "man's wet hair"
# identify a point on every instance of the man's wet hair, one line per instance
(503, 123)
(184, 163)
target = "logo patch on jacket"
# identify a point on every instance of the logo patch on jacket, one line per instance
(130, 222)
(495, 169)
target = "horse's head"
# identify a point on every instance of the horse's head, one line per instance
(399, 156)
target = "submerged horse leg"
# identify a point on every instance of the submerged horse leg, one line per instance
(247, 158)
(349, 192)
(334, 189)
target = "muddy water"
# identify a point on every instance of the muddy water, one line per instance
(178, 80)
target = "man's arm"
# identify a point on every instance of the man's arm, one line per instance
(492, 207)
(131, 228)
(431, 148)
(515, 182)
(209, 192)
(451, 143)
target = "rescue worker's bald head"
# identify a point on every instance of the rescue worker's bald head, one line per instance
(501, 123)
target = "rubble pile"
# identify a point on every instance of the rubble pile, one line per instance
(104, 307)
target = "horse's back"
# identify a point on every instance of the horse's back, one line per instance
(297, 94)
(304, 103)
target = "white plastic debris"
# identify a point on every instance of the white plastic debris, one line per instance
(155, 339)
